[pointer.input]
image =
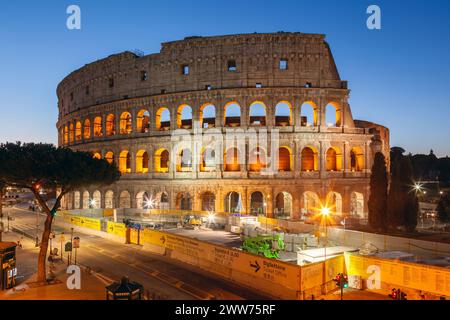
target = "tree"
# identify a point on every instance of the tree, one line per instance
(35, 166)
(409, 207)
(378, 193)
(395, 218)
(443, 209)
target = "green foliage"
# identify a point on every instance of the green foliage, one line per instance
(263, 246)
(377, 202)
(443, 209)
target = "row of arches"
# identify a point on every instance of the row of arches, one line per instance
(233, 160)
(233, 202)
(112, 124)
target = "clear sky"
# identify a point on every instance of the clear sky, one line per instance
(398, 75)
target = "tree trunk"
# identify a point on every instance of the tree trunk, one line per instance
(41, 274)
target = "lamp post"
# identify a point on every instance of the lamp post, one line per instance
(325, 213)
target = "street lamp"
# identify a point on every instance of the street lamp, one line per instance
(325, 213)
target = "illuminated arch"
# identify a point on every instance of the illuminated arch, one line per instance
(285, 159)
(332, 115)
(309, 159)
(232, 160)
(258, 114)
(71, 133)
(183, 201)
(311, 203)
(77, 200)
(96, 202)
(162, 161)
(334, 159)
(109, 156)
(143, 121)
(356, 159)
(125, 162)
(78, 131)
(66, 134)
(124, 200)
(109, 199)
(308, 114)
(233, 202)
(96, 155)
(126, 123)
(208, 160)
(283, 114)
(333, 201)
(184, 116)
(143, 200)
(208, 201)
(142, 159)
(87, 129)
(110, 125)
(357, 204)
(208, 116)
(162, 119)
(283, 205)
(86, 200)
(98, 131)
(257, 203)
(232, 114)
(184, 161)
(257, 159)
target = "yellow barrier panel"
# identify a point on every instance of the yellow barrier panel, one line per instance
(284, 274)
(116, 228)
(90, 223)
(410, 275)
(108, 212)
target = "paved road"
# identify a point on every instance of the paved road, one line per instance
(170, 279)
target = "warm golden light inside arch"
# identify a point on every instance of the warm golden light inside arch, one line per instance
(162, 161)
(162, 125)
(126, 125)
(87, 129)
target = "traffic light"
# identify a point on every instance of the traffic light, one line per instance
(341, 280)
(403, 296)
(393, 294)
(397, 294)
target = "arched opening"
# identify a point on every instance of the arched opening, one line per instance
(184, 161)
(184, 201)
(308, 114)
(232, 115)
(184, 117)
(124, 200)
(98, 127)
(257, 159)
(143, 200)
(87, 129)
(109, 199)
(77, 199)
(143, 121)
(109, 156)
(162, 161)
(86, 200)
(333, 115)
(208, 201)
(110, 125)
(357, 204)
(126, 125)
(356, 159)
(208, 162)
(72, 133)
(96, 202)
(164, 201)
(96, 155)
(334, 159)
(283, 205)
(311, 203)
(233, 202)
(162, 119)
(66, 134)
(284, 159)
(232, 160)
(334, 202)
(257, 204)
(283, 114)
(125, 162)
(208, 116)
(258, 114)
(310, 161)
(142, 161)
(78, 131)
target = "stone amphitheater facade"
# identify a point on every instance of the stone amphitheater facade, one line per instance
(132, 109)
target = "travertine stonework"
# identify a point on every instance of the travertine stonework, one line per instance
(102, 105)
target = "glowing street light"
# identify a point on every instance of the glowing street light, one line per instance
(211, 217)
(325, 211)
(92, 203)
(418, 187)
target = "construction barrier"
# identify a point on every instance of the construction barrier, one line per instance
(393, 273)
(90, 223)
(117, 229)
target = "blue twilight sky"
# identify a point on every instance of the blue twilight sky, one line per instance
(398, 75)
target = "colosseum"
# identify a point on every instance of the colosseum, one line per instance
(257, 124)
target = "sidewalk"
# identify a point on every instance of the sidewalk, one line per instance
(92, 285)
